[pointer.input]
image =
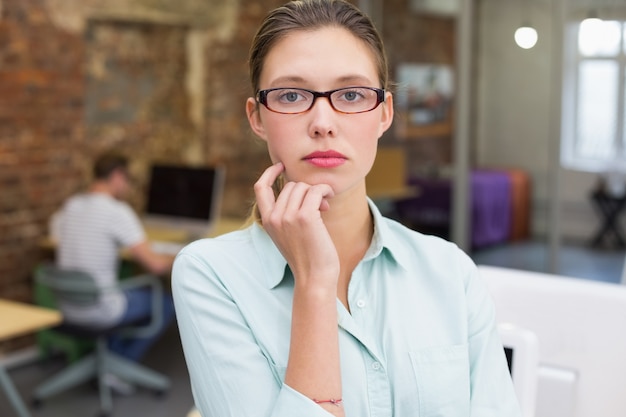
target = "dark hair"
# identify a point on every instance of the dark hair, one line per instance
(311, 15)
(106, 164)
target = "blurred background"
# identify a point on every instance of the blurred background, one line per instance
(516, 153)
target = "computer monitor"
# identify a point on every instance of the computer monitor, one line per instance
(184, 198)
(579, 326)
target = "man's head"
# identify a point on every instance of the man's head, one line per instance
(110, 172)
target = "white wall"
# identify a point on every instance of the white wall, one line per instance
(513, 120)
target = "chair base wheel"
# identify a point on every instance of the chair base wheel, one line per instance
(36, 403)
(159, 393)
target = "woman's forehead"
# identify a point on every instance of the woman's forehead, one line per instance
(326, 54)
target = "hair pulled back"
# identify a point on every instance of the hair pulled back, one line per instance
(305, 15)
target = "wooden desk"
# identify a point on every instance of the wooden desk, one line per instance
(167, 234)
(19, 319)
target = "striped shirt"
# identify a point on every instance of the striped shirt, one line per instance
(90, 230)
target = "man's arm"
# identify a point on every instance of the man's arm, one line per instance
(155, 263)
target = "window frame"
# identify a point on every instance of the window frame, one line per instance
(570, 136)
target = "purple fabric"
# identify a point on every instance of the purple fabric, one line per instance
(491, 206)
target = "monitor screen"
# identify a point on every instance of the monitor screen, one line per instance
(184, 197)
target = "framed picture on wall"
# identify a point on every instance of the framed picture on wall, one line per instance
(424, 99)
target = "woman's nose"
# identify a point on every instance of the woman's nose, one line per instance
(322, 118)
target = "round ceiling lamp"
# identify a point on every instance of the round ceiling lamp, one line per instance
(526, 36)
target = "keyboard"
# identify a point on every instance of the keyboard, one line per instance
(168, 248)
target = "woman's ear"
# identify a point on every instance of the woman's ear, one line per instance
(254, 118)
(386, 117)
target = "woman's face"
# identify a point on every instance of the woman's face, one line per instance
(321, 145)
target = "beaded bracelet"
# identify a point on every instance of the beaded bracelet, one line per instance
(330, 401)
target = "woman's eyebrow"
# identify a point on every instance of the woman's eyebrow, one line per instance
(286, 81)
(290, 80)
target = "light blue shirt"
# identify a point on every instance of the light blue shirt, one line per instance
(420, 338)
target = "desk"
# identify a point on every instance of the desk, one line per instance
(19, 319)
(171, 234)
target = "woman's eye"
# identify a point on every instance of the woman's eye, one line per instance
(350, 95)
(291, 96)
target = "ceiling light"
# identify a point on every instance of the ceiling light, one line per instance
(526, 36)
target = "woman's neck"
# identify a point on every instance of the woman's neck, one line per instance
(349, 223)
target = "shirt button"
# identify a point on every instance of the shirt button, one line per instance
(376, 366)
(360, 303)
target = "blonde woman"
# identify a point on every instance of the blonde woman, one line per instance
(323, 307)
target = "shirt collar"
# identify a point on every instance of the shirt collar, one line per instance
(275, 265)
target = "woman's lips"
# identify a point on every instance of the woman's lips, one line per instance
(325, 159)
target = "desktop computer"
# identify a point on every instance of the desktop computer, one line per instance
(185, 199)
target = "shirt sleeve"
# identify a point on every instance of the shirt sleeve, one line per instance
(230, 375)
(127, 227)
(492, 392)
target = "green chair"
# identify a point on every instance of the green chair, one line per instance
(79, 288)
(50, 341)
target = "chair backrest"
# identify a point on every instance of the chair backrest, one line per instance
(579, 325)
(67, 285)
(78, 288)
(522, 351)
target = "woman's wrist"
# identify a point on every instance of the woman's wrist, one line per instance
(315, 290)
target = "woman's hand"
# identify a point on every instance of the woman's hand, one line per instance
(294, 222)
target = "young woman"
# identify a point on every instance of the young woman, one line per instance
(322, 306)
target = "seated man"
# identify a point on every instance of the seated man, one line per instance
(90, 229)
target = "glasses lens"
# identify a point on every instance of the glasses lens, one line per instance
(289, 100)
(354, 99)
(345, 100)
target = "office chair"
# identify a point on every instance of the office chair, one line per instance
(79, 288)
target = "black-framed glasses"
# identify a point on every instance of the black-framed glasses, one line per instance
(349, 100)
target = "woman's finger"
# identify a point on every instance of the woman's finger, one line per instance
(282, 201)
(263, 187)
(317, 197)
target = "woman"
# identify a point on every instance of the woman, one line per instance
(322, 306)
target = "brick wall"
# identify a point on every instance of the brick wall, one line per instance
(41, 112)
(66, 95)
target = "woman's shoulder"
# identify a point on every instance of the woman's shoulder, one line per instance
(420, 249)
(235, 243)
(238, 261)
(400, 232)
